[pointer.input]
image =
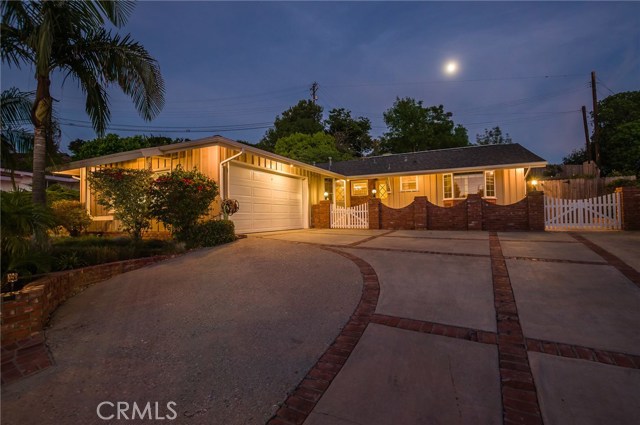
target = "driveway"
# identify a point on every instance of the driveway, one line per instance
(357, 327)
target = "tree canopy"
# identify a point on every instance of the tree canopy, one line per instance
(112, 143)
(619, 132)
(493, 137)
(308, 148)
(305, 118)
(413, 127)
(351, 134)
(70, 36)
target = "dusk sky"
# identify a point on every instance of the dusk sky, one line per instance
(235, 66)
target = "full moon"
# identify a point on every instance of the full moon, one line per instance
(451, 67)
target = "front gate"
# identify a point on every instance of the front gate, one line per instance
(350, 218)
(601, 213)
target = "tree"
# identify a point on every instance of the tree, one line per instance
(351, 134)
(307, 148)
(305, 118)
(180, 198)
(576, 157)
(619, 133)
(413, 127)
(69, 36)
(112, 143)
(493, 137)
(126, 191)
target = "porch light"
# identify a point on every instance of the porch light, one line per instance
(534, 183)
(373, 192)
(326, 196)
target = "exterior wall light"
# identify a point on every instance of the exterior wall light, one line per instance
(326, 196)
(534, 183)
(373, 192)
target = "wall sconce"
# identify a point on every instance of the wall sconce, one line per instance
(373, 192)
(534, 183)
(326, 196)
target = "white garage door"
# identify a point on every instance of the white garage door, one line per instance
(267, 201)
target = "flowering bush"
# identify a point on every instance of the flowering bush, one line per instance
(180, 198)
(126, 191)
(71, 215)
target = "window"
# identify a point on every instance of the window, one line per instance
(383, 190)
(490, 184)
(409, 184)
(359, 188)
(460, 185)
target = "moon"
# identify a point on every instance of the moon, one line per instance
(451, 67)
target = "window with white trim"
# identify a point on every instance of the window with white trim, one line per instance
(409, 184)
(460, 185)
(359, 188)
(490, 184)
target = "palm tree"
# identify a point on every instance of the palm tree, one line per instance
(14, 115)
(69, 36)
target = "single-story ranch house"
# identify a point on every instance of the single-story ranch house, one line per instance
(276, 193)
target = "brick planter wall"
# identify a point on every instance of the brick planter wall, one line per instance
(630, 207)
(447, 218)
(25, 312)
(499, 218)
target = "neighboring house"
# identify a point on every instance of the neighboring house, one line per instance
(22, 180)
(276, 193)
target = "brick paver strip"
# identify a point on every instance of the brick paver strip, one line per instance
(300, 403)
(630, 361)
(24, 358)
(434, 328)
(632, 274)
(519, 396)
(371, 238)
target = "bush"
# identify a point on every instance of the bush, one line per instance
(127, 192)
(211, 233)
(180, 198)
(71, 215)
(57, 192)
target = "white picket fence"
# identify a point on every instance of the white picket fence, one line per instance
(601, 213)
(350, 218)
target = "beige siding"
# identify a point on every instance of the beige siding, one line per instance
(510, 186)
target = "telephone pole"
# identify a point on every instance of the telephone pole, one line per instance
(314, 92)
(596, 123)
(586, 133)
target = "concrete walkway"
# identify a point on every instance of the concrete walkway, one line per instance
(343, 327)
(479, 328)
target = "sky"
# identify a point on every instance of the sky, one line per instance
(231, 67)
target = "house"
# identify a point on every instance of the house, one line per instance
(22, 180)
(277, 193)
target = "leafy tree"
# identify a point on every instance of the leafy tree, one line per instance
(576, 157)
(312, 148)
(180, 198)
(493, 137)
(619, 133)
(351, 134)
(69, 36)
(305, 118)
(126, 191)
(71, 215)
(413, 127)
(112, 143)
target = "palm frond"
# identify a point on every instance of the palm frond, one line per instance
(16, 108)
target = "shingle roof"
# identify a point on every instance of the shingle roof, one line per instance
(435, 160)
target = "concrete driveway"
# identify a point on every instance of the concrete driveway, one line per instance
(358, 327)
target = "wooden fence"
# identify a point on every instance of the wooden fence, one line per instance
(350, 218)
(581, 188)
(601, 213)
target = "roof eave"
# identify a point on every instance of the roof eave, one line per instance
(448, 170)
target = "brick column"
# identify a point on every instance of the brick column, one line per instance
(535, 208)
(630, 208)
(374, 214)
(420, 212)
(320, 215)
(474, 212)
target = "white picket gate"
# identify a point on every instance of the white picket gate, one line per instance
(350, 218)
(601, 213)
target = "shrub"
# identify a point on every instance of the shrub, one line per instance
(57, 192)
(127, 192)
(71, 215)
(180, 198)
(211, 233)
(23, 229)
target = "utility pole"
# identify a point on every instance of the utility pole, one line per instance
(586, 133)
(314, 92)
(596, 123)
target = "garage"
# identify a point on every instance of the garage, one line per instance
(268, 201)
